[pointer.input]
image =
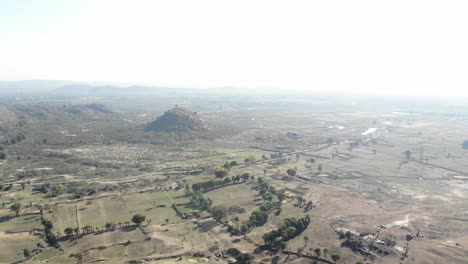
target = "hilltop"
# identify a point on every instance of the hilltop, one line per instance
(177, 119)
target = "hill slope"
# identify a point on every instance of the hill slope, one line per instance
(177, 120)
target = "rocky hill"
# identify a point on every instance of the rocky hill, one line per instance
(87, 109)
(177, 120)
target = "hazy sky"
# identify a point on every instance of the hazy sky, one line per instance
(402, 47)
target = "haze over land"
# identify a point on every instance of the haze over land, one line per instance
(147, 175)
(398, 47)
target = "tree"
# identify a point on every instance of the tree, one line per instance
(110, 225)
(227, 181)
(57, 190)
(335, 257)
(318, 252)
(360, 262)
(16, 207)
(68, 231)
(281, 195)
(291, 172)
(219, 212)
(26, 253)
(245, 176)
(3, 154)
(221, 172)
(138, 218)
(320, 167)
(267, 196)
(300, 200)
(325, 252)
(290, 231)
(50, 236)
(244, 228)
(238, 178)
(278, 211)
(199, 201)
(87, 229)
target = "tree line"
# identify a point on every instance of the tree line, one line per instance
(290, 229)
(205, 186)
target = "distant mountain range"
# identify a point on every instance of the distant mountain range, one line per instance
(31, 86)
(71, 88)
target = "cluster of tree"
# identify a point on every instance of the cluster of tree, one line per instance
(260, 217)
(335, 257)
(239, 256)
(78, 189)
(228, 165)
(87, 229)
(50, 190)
(275, 155)
(138, 219)
(29, 253)
(257, 218)
(219, 212)
(3, 153)
(301, 202)
(250, 159)
(49, 235)
(20, 137)
(200, 202)
(69, 231)
(268, 192)
(291, 228)
(278, 161)
(7, 187)
(204, 186)
(16, 207)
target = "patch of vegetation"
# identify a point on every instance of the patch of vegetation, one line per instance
(290, 229)
(221, 172)
(138, 219)
(49, 235)
(291, 172)
(199, 203)
(208, 185)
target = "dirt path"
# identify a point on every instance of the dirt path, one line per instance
(76, 216)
